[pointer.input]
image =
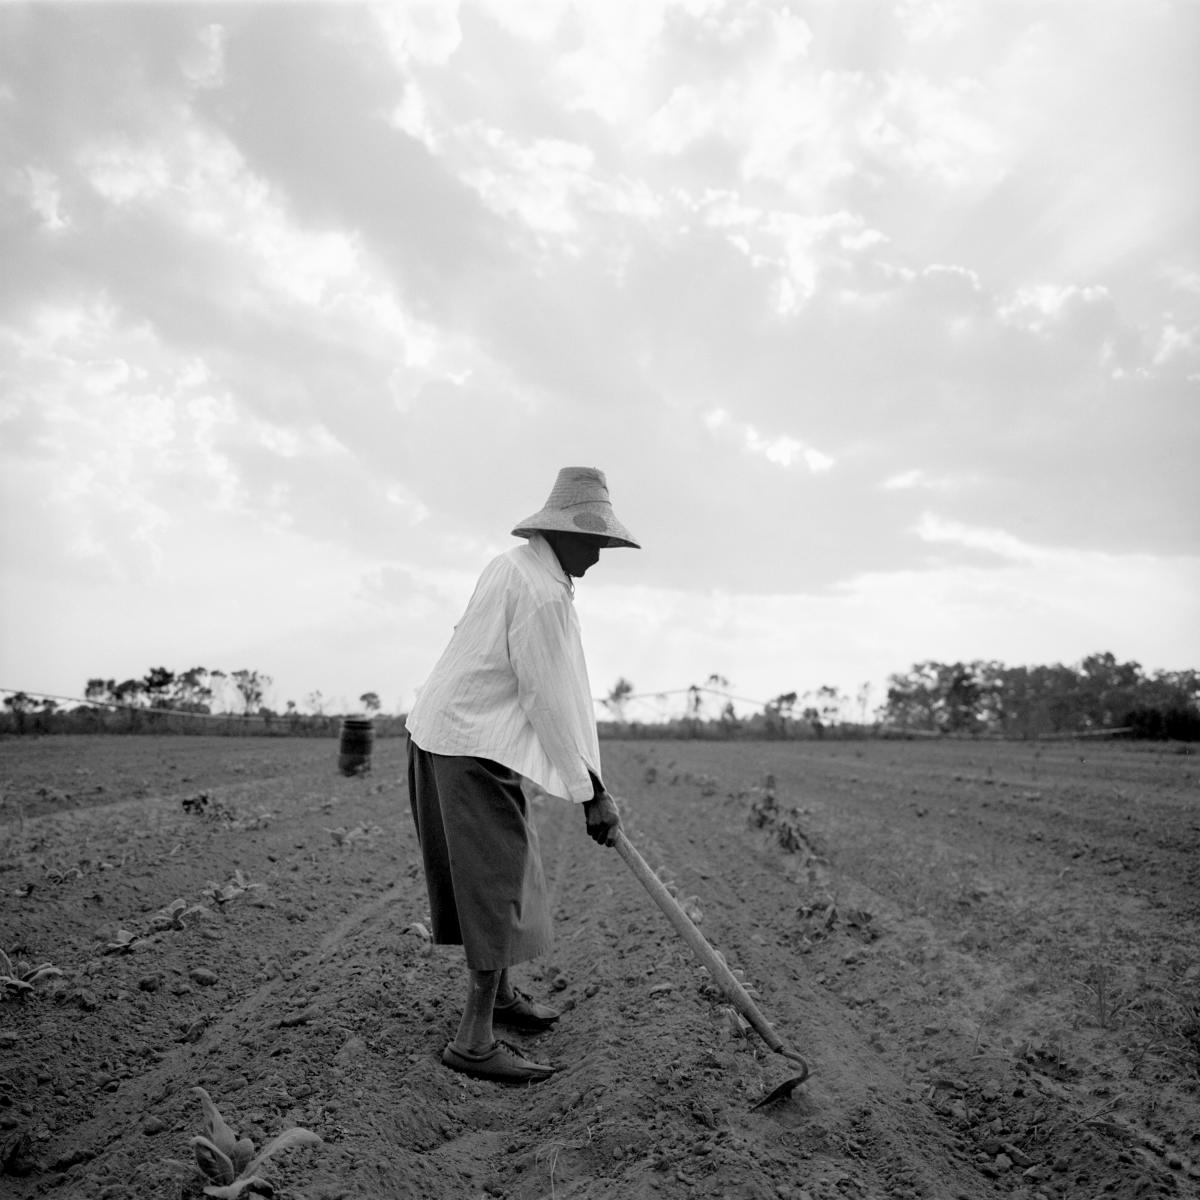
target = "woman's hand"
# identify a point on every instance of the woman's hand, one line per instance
(603, 819)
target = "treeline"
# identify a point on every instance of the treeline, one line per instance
(977, 698)
(197, 700)
(1097, 694)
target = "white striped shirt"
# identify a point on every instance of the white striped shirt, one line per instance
(512, 685)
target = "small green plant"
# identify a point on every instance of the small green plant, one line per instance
(764, 806)
(222, 893)
(230, 1162)
(20, 978)
(363, 834)
(421, 931)
(216, 812)
(175, 915)
(125, 941)
(58, 875)
(1107, 1000)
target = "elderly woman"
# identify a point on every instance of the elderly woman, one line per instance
(508, 700)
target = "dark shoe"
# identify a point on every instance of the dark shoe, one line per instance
(523, 1012)
(501, 1064)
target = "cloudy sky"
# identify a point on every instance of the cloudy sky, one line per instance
(883, 320)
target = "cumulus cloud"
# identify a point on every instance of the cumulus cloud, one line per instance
(846, 295)
(782, 449)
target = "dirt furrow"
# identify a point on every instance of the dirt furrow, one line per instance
(985, 1014)
(857, 1125)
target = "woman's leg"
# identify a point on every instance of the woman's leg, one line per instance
(504, 989)
(475, 1035)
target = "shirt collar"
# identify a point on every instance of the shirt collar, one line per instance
(544, 553)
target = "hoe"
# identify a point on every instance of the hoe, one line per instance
(721, 973)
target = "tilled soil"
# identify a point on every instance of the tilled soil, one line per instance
(988, 954)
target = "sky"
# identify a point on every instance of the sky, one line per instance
(882, 319)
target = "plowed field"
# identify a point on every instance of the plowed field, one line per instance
(989, 954)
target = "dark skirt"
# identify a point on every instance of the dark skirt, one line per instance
(483, 866)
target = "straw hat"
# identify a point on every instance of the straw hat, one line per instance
(579, 503)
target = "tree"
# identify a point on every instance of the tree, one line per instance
(960, 699)
(1168, 706)
(1099, 693)
(863, 697)
(251, 685)
(778, 712)
(192, 692)
(934, 696)
(20, 705)
(130, 692)
(370, 701)
(1107, 689)
(830, 699)
(217, 681)
(99, 691)
(616, 699)
(157, 683)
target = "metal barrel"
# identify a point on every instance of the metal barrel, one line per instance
(355, 745)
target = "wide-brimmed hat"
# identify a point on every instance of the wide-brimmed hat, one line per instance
(579, 503)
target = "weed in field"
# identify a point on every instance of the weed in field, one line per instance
(175, 915)
(551, 1150)
(763, 808)
(228, 1161)
(124, 942)
(820, 919)
(737, 1025)
(58, 875)
(20, 978)
(203, 805)
(782, 825)
(421, 931)
(221, 893)
(1106, 999)
(363, 834)
(259, 819)
(1170, 1012)
(197, 804)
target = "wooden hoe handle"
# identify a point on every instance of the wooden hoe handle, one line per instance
(724, 977)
